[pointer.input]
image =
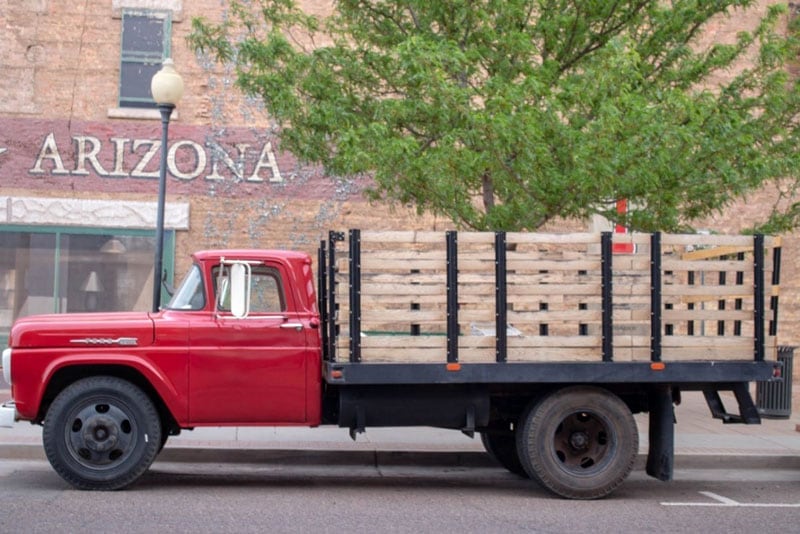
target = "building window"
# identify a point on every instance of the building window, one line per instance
(65, 270)
(146, 38)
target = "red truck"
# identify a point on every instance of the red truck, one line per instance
(544, 344)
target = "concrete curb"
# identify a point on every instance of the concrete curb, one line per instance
(318, 457)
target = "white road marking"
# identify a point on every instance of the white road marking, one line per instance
(725, 501)
(720, 498)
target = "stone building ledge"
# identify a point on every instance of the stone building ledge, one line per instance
(39, 211)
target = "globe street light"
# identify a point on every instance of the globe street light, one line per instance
(167, 89)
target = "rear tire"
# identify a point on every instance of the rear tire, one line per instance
(578, 442)
(101, 433)
(503, 449)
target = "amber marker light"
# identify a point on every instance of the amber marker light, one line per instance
(453, 366)
(337, 374)
(658, 366)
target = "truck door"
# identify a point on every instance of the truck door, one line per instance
(251, 369)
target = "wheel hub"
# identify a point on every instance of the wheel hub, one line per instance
(579, 441)
(101, 433)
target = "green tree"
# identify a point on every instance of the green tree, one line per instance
(507, 114)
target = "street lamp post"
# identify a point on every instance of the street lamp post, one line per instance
(167, 89)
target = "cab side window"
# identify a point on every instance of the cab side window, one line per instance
(266, 290)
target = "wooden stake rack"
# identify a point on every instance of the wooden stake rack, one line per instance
(465, 297)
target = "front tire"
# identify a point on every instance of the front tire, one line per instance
(578, 442)
(101, 433)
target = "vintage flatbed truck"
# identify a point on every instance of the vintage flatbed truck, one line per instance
(544, 344)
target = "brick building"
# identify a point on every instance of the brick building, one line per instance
(79, 150)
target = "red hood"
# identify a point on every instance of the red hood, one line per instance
(82, 330)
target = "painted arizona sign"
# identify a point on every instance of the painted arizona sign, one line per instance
(124, 156)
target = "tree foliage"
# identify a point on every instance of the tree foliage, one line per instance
(507, 114)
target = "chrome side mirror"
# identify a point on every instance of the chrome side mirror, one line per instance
(240, 290)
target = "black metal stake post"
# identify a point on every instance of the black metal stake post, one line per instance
(166, 112)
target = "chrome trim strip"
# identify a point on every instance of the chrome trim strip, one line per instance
(123, 341)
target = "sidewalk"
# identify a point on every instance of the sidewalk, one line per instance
(700, 442)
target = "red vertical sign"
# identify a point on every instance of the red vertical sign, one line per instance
(622, 248)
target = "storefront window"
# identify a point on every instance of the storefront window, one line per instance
(69, 270)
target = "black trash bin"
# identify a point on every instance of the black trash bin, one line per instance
(774, 399)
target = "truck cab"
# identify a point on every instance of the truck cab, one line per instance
(253, 338)
(238, 344)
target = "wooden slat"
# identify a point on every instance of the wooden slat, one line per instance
(552, 265)
(715, 292)
(707, 315)
(698, 240)
(369, 263)
(400, 316)
(403, 342)
(708, 265)
(553, 239)
(517, 289)
(710, 342)
(572, 316)
(368, 288)
(558, 354)
(381, 237)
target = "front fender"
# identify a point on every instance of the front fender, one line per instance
(39, 375)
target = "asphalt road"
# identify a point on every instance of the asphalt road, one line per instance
(233, 498)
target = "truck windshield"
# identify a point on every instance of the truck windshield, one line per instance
(190, 295)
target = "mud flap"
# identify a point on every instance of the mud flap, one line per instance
(661, 455)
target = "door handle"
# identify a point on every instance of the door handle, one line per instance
(296, 326)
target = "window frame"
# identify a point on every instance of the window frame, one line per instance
(219, 273)
(144, 58)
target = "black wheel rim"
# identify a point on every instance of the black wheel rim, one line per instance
(100, 434)
(582, 443)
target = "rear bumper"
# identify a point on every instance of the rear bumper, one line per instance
(8, 414)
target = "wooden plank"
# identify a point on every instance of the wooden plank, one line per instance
(403, 316)
(405, 255)
(633, 263)
(709, 292)
(368, 288)
(486, 238)
(702, 240)
(403, 342)
(639, 316)
(529, 342)
(558, 354)
(552, 239)
(591, 289)
(383, 301)
(380, 237)
(482, 315)
(709, 342)
(707, 315)
(396, 355)
(544, 316)
(552, 265)
(708, 265)
(707, 353)
(635, 237)
(368, 263)
(405, 279)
